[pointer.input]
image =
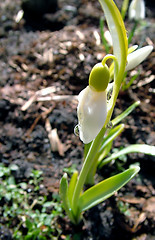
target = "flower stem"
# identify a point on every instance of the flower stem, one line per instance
(132, 32)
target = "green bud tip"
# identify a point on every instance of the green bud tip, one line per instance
(99, 77)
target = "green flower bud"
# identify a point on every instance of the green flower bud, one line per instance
(99, 77)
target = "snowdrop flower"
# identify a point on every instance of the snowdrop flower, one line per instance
(137, 10)
(92, 107)
(138, 56)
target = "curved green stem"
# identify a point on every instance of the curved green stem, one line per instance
(109, 56)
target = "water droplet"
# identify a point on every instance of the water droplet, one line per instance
(76, 130)
(109, 125)
(109, 93)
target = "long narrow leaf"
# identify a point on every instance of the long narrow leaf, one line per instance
(105, 189)
(125, 113)
(125, 86)
(134, 148)
(104, 41)
(112, 134)
(105, 152)
(72, 186)
(64, 191)
(64, 196)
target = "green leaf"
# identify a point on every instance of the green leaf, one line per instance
(33, 235)
(139, 148)
(64, 196)
(107, 142)
(14, 167)
(104, 41)
(105, 189)
(64, 191)
(105, 152)
(29, 224)
(72, 186)
(125, 85)
(125, 113)
(132, 32)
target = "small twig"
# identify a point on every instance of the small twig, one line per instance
(57, 98)
(144, 82)
(42, 115)
(42, 92)
(56, 145)
(29, 102)
(41, 96)
(33, 125)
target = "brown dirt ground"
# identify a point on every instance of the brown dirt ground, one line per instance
(42, 71)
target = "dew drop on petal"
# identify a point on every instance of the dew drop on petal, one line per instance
(76, 130)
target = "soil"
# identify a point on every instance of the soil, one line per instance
(44, 65)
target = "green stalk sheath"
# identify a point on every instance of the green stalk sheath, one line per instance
(91, 173)
(85, 169)
(86, 149)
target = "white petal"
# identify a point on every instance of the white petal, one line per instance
(108, 37)
(138, 56)
(137, 10)
(92, 113)
(132, 49)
